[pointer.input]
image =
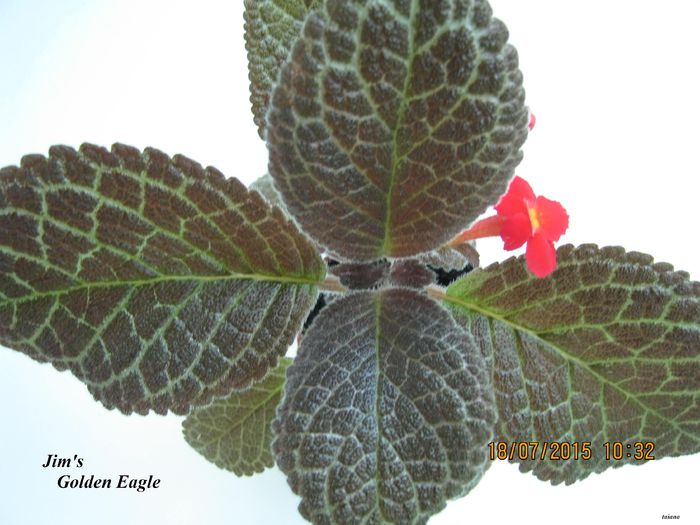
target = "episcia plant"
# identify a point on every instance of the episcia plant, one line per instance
(391, 127)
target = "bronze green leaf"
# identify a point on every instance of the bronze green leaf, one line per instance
(395, 124)
(271, 27)
(606, 349)
(157, 283)
(387, 411)
(234, 432)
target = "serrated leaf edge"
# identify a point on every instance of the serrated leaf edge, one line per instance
(491, 316)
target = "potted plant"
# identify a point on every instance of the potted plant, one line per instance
(621, 219)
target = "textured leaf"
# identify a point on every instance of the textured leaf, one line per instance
(362, 276)
(157, 283)
(271, 27)
(411, 273)
(234, 433)
(265, 187)
(387, 411)
(605, 349)
(403, 119)
(450, 258)
(449, 264)
(377, 274)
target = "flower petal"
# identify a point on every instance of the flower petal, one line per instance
(533, 121)
(516, 230)
(488, 227)
(516, 198)
(552, 217)
(540, 255)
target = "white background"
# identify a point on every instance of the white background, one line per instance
(615, 85)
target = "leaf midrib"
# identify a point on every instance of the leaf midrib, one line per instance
(161, 279)
(565, 355)
(251, 410)
(396, 159)
(242, 463)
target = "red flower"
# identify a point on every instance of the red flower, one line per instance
(532, 122)
(524, 218)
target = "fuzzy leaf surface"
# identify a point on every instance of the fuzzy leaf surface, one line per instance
(450, 258)
(157, 283)
(271, 27)
(387, 411)
(265, 187)
(234, 433)
(402, 118)
(605, 349)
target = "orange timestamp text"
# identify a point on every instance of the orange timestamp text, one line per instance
(569, 450)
